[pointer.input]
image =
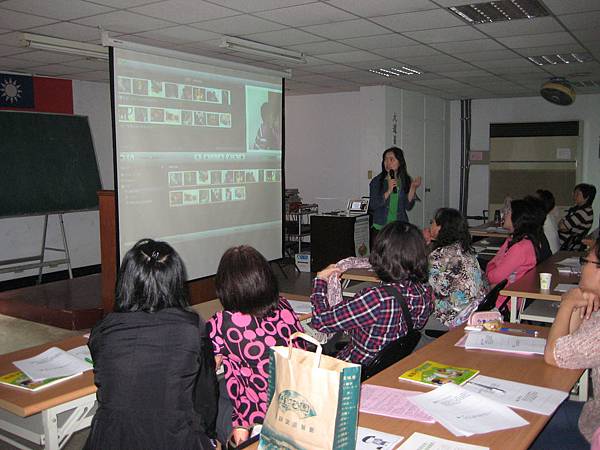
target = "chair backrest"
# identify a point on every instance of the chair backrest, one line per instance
(573, 242)
(490, 299)
(391, 353)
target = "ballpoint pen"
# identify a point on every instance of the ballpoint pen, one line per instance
(485, 386)
(518, 330)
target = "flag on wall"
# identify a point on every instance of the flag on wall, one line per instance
(16, 91)
(51, 95)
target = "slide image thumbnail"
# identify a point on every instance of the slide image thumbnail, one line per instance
(190, 197)
(189, 178)
(140, 87)
(199, 94)
(225, 120)
(251, 176)
(216, 177)
(175, 179)
(157, 115)
(156, 88)
(239, 193)
(203, 196)
(173, 116)
(124, 85)
(141, 114)
(212, 119)
(187, 118)
(229, 177)
(203, 177)
(199, 118)
(176, 198)
(171, 90)
(216, 195)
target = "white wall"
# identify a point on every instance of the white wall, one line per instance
(526, 109)
(20, 237)
(334, 140)
(323, 142)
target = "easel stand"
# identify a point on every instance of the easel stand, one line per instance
(22, 264)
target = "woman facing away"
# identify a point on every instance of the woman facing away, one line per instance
(579, 218)
(522, 250)
(374, 317)
(573, 344)
(254, 318)
(153, 362)
(550, 222)
(392, 192)
(454, 272)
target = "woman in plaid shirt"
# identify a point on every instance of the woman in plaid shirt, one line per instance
(373, 318)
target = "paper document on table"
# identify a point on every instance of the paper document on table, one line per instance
(82, 352)
(487, 340)
(420, 441)
(466, 413)
(368, 439)
(52, 363)
(570, 262)
(391, 402)
(564, 287)
(300, 307)
(497, 230)
(537, 399)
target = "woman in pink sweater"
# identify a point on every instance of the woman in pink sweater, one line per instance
(573, 344)
(522, 250)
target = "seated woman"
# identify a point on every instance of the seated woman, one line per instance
(454, 273)
(573, 344)
(522, 250)
(550, 224)
(374, 317)
(579, 218)
(153, 362)
(254, 318)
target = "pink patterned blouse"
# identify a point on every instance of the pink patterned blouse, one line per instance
(580, 350)
(243, 341)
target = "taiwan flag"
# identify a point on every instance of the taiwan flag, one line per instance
(16, 91)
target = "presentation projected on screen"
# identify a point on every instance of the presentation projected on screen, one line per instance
(199, 157)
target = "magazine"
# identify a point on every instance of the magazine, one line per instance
(19, 380)
(432, 373)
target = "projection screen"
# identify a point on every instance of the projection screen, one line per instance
(198, 157)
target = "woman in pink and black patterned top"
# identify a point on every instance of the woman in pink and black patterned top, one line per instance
(254, 318)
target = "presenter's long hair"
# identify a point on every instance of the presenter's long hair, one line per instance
(245, 282)
(453, 228)
(152, 277)
(402, 174)
(399, 254)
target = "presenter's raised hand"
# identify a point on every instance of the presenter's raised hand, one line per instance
(416, 183)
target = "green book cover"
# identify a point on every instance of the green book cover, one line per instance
(432, 373)
(19, 380)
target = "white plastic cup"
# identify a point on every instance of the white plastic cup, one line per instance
(545, 281)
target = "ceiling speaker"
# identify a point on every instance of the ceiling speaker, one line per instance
(558, 91)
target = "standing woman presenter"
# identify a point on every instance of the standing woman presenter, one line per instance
(393, 191)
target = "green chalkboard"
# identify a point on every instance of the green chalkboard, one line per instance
(48, 164)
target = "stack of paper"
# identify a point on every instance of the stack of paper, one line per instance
(300, 307)
(420, 441)
(564, 287)
(466, 413)
(390, 402)
(53, 363)
(537, 399)
(487, 340)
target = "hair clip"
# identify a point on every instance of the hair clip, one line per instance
(155, 255)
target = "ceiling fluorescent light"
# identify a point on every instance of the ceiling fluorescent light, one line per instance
(561, 58)
(395, 71)
(52, 44)
(256, 48)
(499, 10)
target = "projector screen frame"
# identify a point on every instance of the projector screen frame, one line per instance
(202, 60)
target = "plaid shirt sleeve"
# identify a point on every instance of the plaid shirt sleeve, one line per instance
(359, 311)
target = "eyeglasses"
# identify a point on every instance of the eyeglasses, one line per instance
(583, 261)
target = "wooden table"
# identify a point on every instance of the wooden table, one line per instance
(488, 229)
(522, 368)
(528, 286)
(34, 416)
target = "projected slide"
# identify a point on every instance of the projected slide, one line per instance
(198, 157)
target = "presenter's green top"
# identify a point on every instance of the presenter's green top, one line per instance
(392, 211)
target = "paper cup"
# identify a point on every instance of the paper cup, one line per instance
(545, 280)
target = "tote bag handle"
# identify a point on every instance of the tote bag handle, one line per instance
(310, 339)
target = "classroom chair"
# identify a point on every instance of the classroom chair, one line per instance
(390, 354)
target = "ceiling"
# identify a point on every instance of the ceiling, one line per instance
(342, 39)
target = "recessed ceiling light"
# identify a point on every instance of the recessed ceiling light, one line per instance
(499, 11)
(561, 58)
(396, 71)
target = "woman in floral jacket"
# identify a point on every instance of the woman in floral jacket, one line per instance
(454, 272)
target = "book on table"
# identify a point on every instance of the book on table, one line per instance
(19, 380)
(432, 373)
(48, 368)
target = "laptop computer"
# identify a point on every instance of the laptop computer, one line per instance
(357, 206)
